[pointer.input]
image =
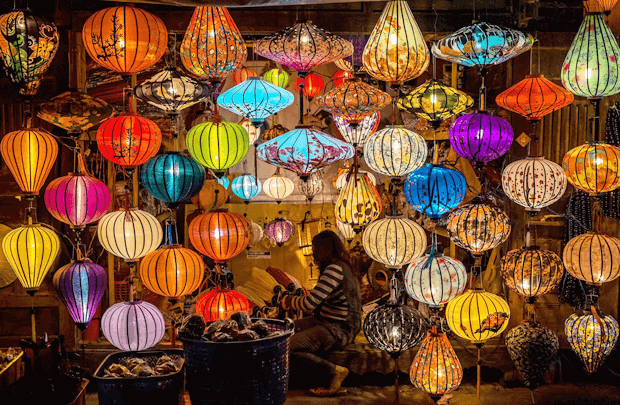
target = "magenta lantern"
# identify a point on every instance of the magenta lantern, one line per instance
(133, 326)
(480, 137)
(80, 286)
(77, 199)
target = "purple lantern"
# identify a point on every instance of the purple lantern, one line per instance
(80, 286)
(353, 62)
(77, 199)
(279, 230)
(480, 137)
(133, 326)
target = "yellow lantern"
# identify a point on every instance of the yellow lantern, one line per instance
(593, 167)
(31, 250)
(30, 154)
(359, 202)
(277, 77)
(211, 196)
(396, 51)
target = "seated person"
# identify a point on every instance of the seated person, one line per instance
(335, 303)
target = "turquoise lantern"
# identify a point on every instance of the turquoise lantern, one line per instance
(223, 181)
(255, 99)
(172, 178)
(435, 189)
(246, 187)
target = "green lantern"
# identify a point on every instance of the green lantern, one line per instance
(277, 77)
(591, 66)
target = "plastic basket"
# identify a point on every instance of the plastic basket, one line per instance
(160, 390)
(239, 373)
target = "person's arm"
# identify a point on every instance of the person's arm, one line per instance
(328, 282)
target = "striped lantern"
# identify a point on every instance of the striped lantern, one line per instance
(394, 241)
(277, 77)
(435, 279)
(313, 186)
(279, 231)
(219, 304)
(80, 286)
(217, 144)
(346, 230)
(242, 74)
(394, 328)
(358, 135)
(593, 258)
(257, 233)
(353, 101)
(359, 202)
(172, 271)
(211, 196)
(246, 187)
(592, 337)
(435, 189)
(395, 151)
(133, 326)
(278, 187)
(593, 167)
(77, 199)
(219, 234)
(29, 154)
(129, 234)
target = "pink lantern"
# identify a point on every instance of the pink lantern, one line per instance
(133, 326)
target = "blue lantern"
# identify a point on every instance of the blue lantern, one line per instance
(246, 187)
(223, 181)
(435, 189)
(172, 177)
(255, 99)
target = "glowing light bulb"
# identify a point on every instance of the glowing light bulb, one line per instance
(393, 39)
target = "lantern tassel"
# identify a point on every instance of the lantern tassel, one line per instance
(478, 371)
(33, 322)
(397, 398)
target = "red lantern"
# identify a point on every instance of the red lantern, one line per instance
(128, 140)
(220, 304)
(313, 85)
(242, 74)
(341, 76)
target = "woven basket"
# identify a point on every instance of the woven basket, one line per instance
(239, 373)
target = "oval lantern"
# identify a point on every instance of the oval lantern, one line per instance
(246, 187)
(394, 328)
(129, 234)
(172, 271)
(313, 85)
(29, 154)
(277, 77)
(220, 304)
(80, 286)
(133, 326)
(211, 196)
(28, 44)
(128, 140)
(278, 187)
(593, 167)
(125, 39)
(435, 189)
(359, 202)
(279, 231)
(592, 338)
(477, 315)
(313, 186)
(218, 145)
(394, 241)
(219, 234)
(31, 250)
(395, 151)
(172, 178)
(346, 230)
(257, 233)
(593, 258)
(358, 135)
(242, 74)
(435, 279)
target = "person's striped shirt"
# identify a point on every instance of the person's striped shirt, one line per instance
(328, 291)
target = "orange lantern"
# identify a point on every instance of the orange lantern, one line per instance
(220, 303)
(313, 85)
(607, 5)
(353, 101)
(219, 234)
(128, 140)
(30, 154)
(341, 76)
(125, 39)
(242, 74)
(593, 167)
(172, 271)
(212, 47)
(534, 97)
(211, 196)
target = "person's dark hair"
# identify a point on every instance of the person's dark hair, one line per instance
(329, 241)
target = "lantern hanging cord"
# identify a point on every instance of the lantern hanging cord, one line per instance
(571, 217)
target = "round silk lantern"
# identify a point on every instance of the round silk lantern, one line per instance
(218, 145)
(313, 85)
(358, 135)
(341, 181)
(212, 47)
(75, 111)
(346, 230)
(133, 326)
(220, 304)
(77, 199)
(278, 187)
(277, 77)
(257, 233)
(129, 234)
(273, 132)
(172, 178)
(242, 74)
(279, 231)
(593, 167)
(28, 43)
(172, 271)
(394, 241)
(395, 151)
(592, 338)
(480, 137)
(394, 328)
(219, 234)
(341, 76)
(223, 181)
(246, 187)
(313, 186)
(31, 250)
(396, 51)
(478, 227)
(125, 39)
(80, 286)
(593, 258)
(435, 189)
(211, 196)
(477, 315)
(534, 183)
(532, 348)
(29, 154)
(435, 279)
(359, 202)
(353, 101)
(436, 369)
(128, 140)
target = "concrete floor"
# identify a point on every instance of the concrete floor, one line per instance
(491, 394)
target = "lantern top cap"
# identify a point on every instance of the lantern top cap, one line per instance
(535, 76)
(173, 246)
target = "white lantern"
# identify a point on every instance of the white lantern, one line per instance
(346, 230)
(358, 134)
(342, 179)
(435, 279)
(278, 187)
(312, 186)
(395, 151)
